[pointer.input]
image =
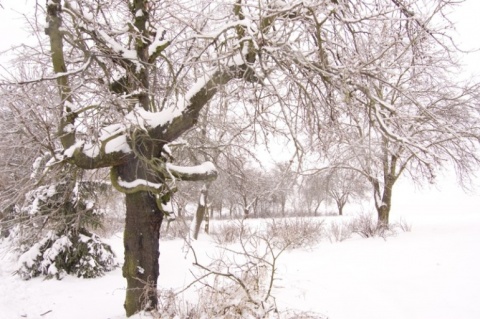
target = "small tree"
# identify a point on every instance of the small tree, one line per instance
(54, 235)
(313, 191)
(344, 186)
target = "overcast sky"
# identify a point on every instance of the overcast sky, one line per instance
(467, 25)
(13, 29)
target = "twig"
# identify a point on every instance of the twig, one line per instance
(46, 312)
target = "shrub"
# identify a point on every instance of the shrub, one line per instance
(77, 253)
(238, 282)
(339, 231)
(174, 229)
(226, 233)
(366, 226)
(403, 225)
(296, 232)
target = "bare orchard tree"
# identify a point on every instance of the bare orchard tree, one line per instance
(404, 111)
(312, 192)
(344, 186)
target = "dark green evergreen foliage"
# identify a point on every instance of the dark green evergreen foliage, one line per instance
(65, 203)
(54, 238)
(73, 252)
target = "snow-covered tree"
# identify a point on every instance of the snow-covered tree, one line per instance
(53, 226)
(138, 86)
(46, 208)
(20, 154)
(312, 192)
(401, 109)
(344, 186)
(133, 76)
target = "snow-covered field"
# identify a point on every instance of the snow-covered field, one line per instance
(431, 272)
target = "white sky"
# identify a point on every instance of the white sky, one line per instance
(13, 30)
(467, 25)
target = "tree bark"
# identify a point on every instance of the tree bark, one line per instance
(141, 241)
(141, 237)
(315, 211)
(383, 207)
(201, 210)
(383, 216)
(340, 209)
(207, 220)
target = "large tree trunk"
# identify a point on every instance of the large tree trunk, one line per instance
(141, 237)
(141, 240)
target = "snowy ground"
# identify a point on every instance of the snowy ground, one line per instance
(431, 272)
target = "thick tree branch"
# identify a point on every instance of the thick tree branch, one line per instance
(54, 21)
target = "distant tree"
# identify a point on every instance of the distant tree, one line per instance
(313, 192)
(344, 186)
(281, 179)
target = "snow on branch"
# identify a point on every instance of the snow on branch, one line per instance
(61, 74)
(203, 172)
(87, 23)
(390, 134)
(139, 183)
(134, 186)
(107, 151)
(251, 27)
(141, 118)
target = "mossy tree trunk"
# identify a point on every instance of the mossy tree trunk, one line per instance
(141, 241)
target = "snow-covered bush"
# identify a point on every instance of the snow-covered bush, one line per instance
(228, 232)
(296, 232)
(63, 203)
(79, 253)
(339, 231)
(366, 226)
(236, 283)
(53, 233)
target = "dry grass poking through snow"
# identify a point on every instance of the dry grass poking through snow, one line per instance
(237, 281)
